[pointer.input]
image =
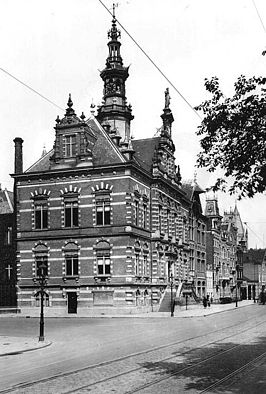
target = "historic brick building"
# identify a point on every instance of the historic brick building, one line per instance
(197, 240)
(105, 215)
(7, 251)
(226, 244)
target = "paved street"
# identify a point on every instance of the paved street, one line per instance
(148, 355)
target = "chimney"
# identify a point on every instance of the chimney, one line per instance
(18, 155)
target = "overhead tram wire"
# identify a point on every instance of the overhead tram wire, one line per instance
(256, 235)
(257, 11)
(153, 63)
(30, 88)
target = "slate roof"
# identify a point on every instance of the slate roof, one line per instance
(6, 201)
(254, 256)
(42, 164)
(189, 187)
(144, 151)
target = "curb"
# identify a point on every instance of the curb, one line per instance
(15, 352)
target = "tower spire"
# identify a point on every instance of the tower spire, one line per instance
(114, 110)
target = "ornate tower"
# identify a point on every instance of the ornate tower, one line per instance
(164, 159)
(212, 213)
(115, 111)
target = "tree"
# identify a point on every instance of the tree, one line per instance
(233, 135)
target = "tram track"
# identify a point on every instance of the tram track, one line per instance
(152, 351)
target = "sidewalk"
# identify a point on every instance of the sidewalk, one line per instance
(199, 310)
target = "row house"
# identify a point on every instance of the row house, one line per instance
(197, 241)
(224, 251)
(103, 216)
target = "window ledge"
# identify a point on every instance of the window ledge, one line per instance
(102, 278)
(66, 277)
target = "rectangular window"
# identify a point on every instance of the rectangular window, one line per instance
(8, 236)
(72, 268)
(70, 145)
(71, 213)
(136, 208)
(40, 215)
(168, 222)
(137, 264)
(160, 218)
(144, 219)
(103, 210)
(41, 265)
(145, 265)
(103, 265)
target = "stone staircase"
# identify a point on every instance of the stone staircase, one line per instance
(165, 305)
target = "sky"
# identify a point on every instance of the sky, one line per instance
(58, 47)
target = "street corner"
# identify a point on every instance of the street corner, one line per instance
(16, 345)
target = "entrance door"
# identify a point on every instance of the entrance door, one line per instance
(72, 302)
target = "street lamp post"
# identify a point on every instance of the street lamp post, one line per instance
(254, 286)
(41, 279)
(236, 284)
(171, 287)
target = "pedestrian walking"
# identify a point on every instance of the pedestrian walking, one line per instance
(204, 302)
(208, 301)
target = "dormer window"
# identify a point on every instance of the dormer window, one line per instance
(70, 145)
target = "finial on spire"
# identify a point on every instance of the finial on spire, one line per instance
(44, 150)
(114, 33)
(114, 5)
(195, 176)
(70, 102)
(92, 107)
(70, 111)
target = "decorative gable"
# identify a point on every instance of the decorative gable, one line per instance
(74, 141)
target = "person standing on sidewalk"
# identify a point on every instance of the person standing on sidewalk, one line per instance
(204, 302)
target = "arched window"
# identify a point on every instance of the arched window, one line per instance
(103, 259)
(41, 259)
(71, 259)
(37, 299)
(40, 208)
(137, 259)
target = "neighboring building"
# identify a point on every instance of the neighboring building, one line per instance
(105, 216)
(221, 251)
(198, 276)
(253, 273)
(233, 219)
(7, 251)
